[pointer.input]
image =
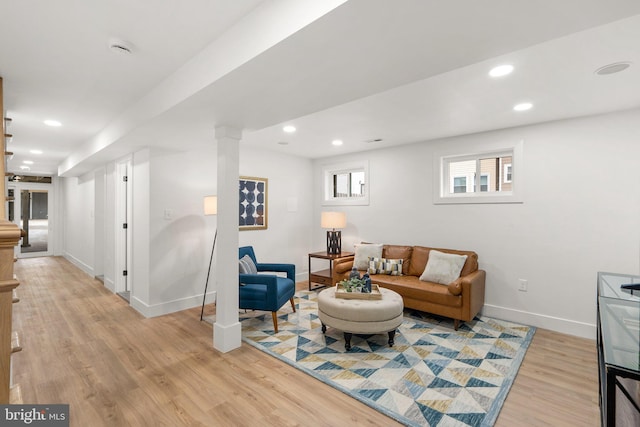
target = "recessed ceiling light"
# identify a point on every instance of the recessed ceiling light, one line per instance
(616, 67)
(289, 129)
(35, 151)
(337, 142)
(53, 123)
(369, 141)
(27, 162)
(501, 70)
(25, 168)
(283, 143)
(524, 106)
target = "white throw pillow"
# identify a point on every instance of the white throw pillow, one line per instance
(443, 268)
(247, 266)
(363, 252)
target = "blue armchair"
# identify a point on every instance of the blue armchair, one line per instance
(266, 291)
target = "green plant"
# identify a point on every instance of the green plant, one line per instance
(354, 284)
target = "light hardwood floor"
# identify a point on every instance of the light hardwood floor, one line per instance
(84, 346)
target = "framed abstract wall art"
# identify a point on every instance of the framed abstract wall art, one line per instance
(253, 203)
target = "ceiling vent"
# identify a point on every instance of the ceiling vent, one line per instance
(120, 47)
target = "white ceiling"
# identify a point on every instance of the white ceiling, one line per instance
(403, 71)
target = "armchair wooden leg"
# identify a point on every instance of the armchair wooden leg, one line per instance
(274, 315)
(456, 323)
(293, 304)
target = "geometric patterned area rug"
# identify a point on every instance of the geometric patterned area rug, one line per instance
(432, 376)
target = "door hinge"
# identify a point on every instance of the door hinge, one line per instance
(125, 226)
(125, 178)
(124, 272)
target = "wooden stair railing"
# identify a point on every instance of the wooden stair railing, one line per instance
(10, 236)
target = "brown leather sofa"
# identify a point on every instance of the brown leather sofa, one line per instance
(460, 300)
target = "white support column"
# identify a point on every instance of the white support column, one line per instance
(227, 330)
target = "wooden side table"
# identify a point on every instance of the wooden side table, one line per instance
(324, 277)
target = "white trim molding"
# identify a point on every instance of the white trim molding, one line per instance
(557, 324)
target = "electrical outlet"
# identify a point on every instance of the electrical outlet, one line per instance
(168, 214)
(523, 285)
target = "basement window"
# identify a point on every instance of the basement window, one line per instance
(346, 184)
(482, 177)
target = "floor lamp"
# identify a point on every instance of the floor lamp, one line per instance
(210, 208)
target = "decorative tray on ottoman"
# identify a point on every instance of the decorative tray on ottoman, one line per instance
(375, 293)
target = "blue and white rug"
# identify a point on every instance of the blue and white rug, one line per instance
(432, 376)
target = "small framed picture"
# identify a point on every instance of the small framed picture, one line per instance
(253, 203)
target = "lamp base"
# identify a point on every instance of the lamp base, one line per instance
(334, 242)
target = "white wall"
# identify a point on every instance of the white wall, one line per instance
(579, 216)
(290, 208)
(172, 238)
(181, 237)
(78, 220)
(139, 281)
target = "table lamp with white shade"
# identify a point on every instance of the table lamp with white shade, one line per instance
(333, 220)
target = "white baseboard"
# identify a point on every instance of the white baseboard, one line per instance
(227, 337)
(109, 284)
(161, 309)
(557, 324)
(81, 265)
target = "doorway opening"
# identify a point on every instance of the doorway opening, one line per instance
(29, 208)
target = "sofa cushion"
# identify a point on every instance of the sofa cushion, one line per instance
(442, 267)
(363, 252)
(419, 257)
(398, 252)
(392, 267)
(411, 287)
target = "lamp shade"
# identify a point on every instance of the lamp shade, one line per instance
(333, 220)
(211, 205)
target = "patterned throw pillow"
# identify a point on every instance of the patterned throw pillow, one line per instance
(247, 266)
(392, 267)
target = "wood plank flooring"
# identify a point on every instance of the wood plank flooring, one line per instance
(84, 346)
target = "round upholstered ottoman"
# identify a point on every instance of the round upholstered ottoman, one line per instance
(360, 316)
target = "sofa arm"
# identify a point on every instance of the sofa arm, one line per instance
(471, 290)
(465, 282)
(290, 269)
(341, 268)
(342, 265)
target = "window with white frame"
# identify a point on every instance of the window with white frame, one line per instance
(507, 173)
(346, 184)
(457, 177)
